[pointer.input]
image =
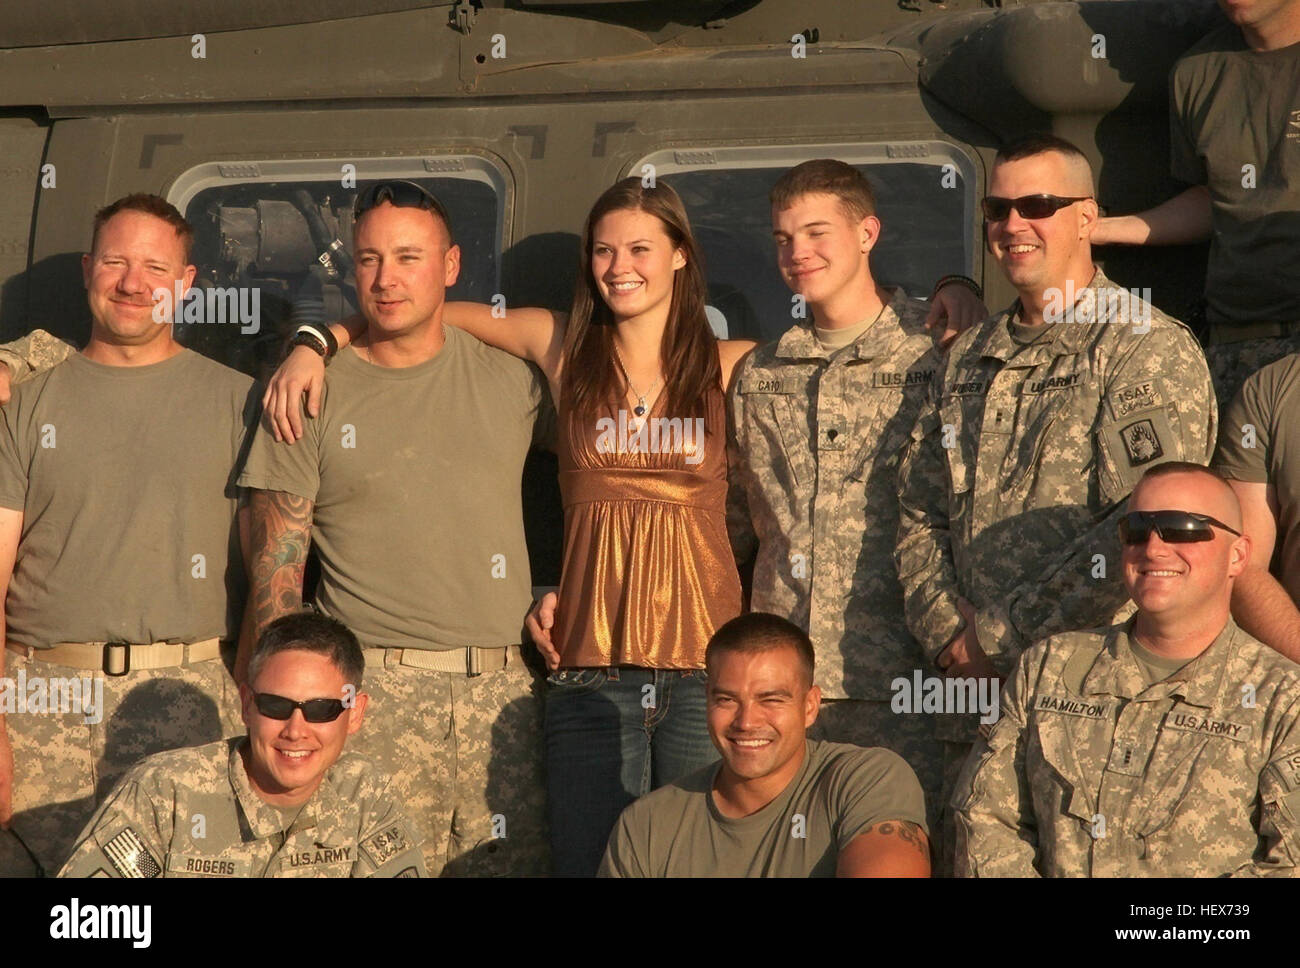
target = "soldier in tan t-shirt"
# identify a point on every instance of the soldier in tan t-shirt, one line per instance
(119, 544)
(1259, 454)
(408, 484)
(777, 804)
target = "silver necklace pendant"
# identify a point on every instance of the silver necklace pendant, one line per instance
(640, 407)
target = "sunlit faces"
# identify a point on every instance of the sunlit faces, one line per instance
(1039, 254)
(134, 255)
(286, 758)
(403, 268)
(1182, 578)
(820, 247)
(633, 262)
(759, 711)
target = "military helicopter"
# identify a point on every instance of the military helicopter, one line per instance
(259, 122)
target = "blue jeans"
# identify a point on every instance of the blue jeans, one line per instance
(613, 735)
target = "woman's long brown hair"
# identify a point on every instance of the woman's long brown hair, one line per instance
(689, 349)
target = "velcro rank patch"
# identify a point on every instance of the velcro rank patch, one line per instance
(1141, 443)
(1071, 706)
(760, 384)
(1131, 399)
(1193, 722)
(130, 856)
(383, 846)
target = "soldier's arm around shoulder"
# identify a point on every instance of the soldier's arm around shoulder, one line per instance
(996, 829)
(34, 353)
(1278, 853)
(129, 834)
(923, 555)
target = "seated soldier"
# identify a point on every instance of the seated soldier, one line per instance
(777, 804)
(1163, 746)
(277, 803)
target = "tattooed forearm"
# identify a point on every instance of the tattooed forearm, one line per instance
(904, 830)
(281, 532)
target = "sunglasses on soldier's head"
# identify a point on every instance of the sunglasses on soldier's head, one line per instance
(1173, 527)
(1029, 206)
(403, 194)
(313, 710)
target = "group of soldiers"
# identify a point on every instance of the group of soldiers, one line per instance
(1034, 499)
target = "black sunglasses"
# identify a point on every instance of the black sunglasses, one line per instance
(1173, 527)
(403, 194)
(313, 710)
(1029, 206)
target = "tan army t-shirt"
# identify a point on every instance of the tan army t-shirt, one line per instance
(840, 791)
(124, 475)
(1259, 442)
(415, 473)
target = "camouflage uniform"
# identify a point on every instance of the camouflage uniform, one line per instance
(465, 758)
(1091, 772)
(1019, 513)
(34, 353)
(815, 441)
(65, 765)
(192, 813)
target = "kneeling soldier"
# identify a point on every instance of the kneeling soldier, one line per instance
(1164, 746)
(277, 803)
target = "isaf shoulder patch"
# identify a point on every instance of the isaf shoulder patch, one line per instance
(1131, 399)
(130, 856)
(383, 846)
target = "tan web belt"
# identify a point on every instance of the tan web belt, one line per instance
(1220, 334)
(119, 658)
(469, 662)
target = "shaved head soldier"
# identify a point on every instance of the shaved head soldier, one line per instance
(1165, 746)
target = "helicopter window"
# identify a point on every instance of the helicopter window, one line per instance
(262, 227)
(924, 198)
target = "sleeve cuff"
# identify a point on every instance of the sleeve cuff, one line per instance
(998, 638)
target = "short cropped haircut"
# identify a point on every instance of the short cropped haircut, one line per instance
(826, 176)
(762, 632)
(1037, 144)
(309, 631)
(149, 205)
(1184, 467)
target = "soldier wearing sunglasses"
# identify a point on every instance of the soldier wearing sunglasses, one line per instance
(282, 801)
(1166, 745)
(1038, 425)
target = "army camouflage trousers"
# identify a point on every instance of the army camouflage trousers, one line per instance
(1232, 363)
(465, 758)
(64, 766)
(910, 735)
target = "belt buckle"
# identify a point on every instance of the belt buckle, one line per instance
(473, 663)
(109, 665)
